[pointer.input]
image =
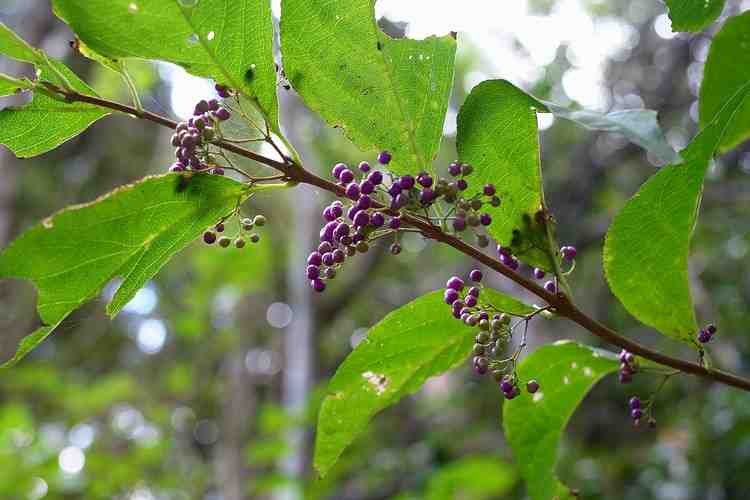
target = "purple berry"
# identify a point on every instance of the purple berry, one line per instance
(461, 184)
(376, 177)
(377, 219)
(454, 169)
(425, 180)
(550, 286)
(223, 114)
(455, 283)
(200, 108)
(352, 212)
(346, 176)
(704, 336)
(209, 237)
(341, 231)
(406, 182)
(352, 190)
(506, 386)
(489, 190)
(569, 253)
(538, 273)
(395, 223)
(634, 403)
(384, 157)
(394, 190)
(339, 256)
(459, 224)
(213, 105)
(625, 378)
(177, 167)
(474, 292)
(315, 259)
(328, 214)
(395, 249)
(366, 187)
(328, 259)
(711, 328)
(364, 167)
(399, 201)
(450, 296)
(532, 386)
(337, 210)
(485, 219)
(475, 275)
(501, 250)
(312, 272)
(222, 91)
(337, 169)
(456, 308)
(426, 196)
(636, 413)
(324, 247)
(318, 285)
(364, 202)
(361, 219)
(470, 300)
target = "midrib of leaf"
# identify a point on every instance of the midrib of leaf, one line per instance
(409, 126)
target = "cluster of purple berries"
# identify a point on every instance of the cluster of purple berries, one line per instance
(214, 234)
(628, 366)
(705, 334)
(191, 137)
(635, 409)
(494, 331)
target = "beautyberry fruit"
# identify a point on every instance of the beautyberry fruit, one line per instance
(532, 386)
(384, 157)
(475, 275)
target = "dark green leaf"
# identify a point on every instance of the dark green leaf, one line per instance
(44, 123)
(230, 41)
(497, 134)
(411, 344)
(534, 423)
(727, 70)
(693, 15)
(130, 233)
(647, 245)
(385, 93)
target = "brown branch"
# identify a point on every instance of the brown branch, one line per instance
(560, 302)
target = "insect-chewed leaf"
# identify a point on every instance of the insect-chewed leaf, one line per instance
(129, 233)
(534, 423)
(385, 93)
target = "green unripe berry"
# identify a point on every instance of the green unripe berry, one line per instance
(478, 350)
(472, 220)
(505, 319)
(482, 338)
(254, 238)
(259, 220)
(225, 241)
(482, 241)
(484, 325)
(476, 204)
(239, 243)
(362, 247)
(495, 201)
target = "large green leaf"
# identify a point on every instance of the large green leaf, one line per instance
(647, 245)
(727, 70)
(471, 478)
(693, 15)
(385, 93)
(534, 422)
(44, 123)
(409, 345)
(129, 233)
(497, 134)
(230, 41)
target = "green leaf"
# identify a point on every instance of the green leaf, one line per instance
(472, 478)
(230, 41)
(44, 123)
(385, 93)
(409, 345)
(129, 233)
(497, 134)
(647, 245)
(693, 15)
(533, 424)
(727, 70)
(639, 126)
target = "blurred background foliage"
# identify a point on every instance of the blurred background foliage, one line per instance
(207, 386)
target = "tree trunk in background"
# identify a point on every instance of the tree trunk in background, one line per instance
(298, 352)
(237, 411)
